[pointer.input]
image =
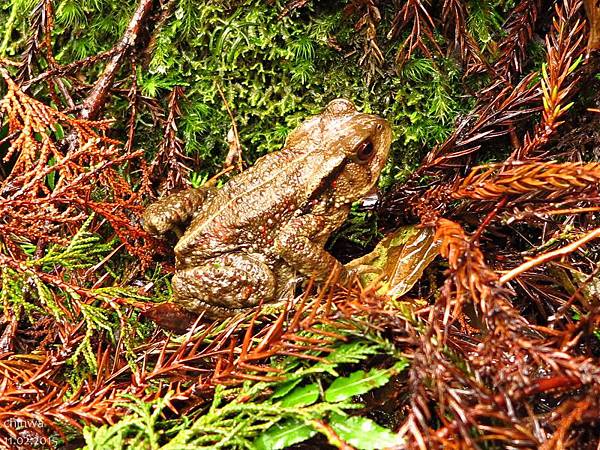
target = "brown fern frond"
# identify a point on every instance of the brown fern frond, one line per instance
(415, 15)
(291, 6)
(486, 122)
(369, 18)
(330, 315)
(471, 279)
(68, 69)
(497, 378)
(449, 400)
(582, 411)
(519, 29)
(27, 117)
(498, 115)
(31, 208)
(278, 338)
(565, 46)
(546, 181)
(453, 18)
(169, 164)
(39, 25)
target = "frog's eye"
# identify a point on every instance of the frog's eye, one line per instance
(365, 151)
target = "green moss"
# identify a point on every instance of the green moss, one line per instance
(273, 71)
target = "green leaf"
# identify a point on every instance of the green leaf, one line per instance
(286, 387)
(51, 180)
(302, 396)
(400, 366)
(363, 433)
(544, 71)
(59, 131)
(575, 64)
(352, 352)
(357, 383)
(284, 435)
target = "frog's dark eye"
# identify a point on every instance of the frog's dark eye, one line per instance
(365, 151)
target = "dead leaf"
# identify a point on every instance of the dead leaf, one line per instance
(399, 260)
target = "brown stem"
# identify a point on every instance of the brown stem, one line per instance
(488, 219)
(97, 96)
(67, 68)
(545, 257)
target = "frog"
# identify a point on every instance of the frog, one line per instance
(250, 242)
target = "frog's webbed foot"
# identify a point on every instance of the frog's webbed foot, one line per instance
(224, 285)
(173, 211)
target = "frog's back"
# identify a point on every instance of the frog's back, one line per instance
(247, 210)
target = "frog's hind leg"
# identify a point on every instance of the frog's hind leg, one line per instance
(170, 212)
(224, 285)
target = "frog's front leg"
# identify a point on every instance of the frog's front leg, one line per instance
(224, 285)
(170, 212)
(301, 244)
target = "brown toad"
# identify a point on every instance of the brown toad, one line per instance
(252, 239)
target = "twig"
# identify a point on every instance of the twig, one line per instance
(97, 96)
(235, 148)
(68, 68)
(544, 258)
